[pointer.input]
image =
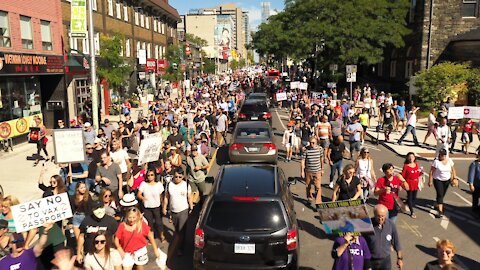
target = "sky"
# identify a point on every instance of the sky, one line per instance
(252, 6)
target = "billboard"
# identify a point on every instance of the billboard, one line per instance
(223, 40)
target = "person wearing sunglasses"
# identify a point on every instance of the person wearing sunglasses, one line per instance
(21, 257)
(365, 171)
(103, 256)
(445, 256)
(111, 207)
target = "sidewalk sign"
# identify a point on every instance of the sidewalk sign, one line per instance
(345, 216)
(281, 96)
(69, 145)
(34, 214)
(150, 148)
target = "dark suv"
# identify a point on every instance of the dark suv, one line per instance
(248, 221)
(254, 110)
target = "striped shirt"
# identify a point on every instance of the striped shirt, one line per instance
(312, 158)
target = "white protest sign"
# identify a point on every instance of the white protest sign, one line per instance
(455, 112)
(316, 97)
(464, 112)
(68, 145)
(294, 85)
(150, 148)
(36, 213)
(303, 86)
(281, 96)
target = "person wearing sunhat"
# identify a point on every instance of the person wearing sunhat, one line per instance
(91, 225)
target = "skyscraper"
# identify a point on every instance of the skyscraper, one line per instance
(265, 11)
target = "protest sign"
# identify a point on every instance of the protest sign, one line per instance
(455, 112)
(464, 112)
(303, 86)
(345, 216)
(294, 85)
(281, 96)
(68, 145)
(150, 148)
(37, 213)
(316, 97)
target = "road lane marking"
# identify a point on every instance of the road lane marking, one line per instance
(214, 156)
(463, 199)
(445, 220)
(279, 118)
(412, 228)
(436, 239)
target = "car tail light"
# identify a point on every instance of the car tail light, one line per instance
(242, 115)
(270, 146)
(267, 115)
(292, 239)
(199, 238)
(236, 146)
(245, 199)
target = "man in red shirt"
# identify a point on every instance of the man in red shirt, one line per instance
(387, 188)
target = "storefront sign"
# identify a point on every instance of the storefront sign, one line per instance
(151, 65)
(39, 212)
(30, 63)
(68, 145)
(78, 19)
(162, 65)
(16, 127)
(345, 216)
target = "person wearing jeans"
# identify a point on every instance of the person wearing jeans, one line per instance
(474, 184)
(411, 172)
(335, 154)
(411, 126)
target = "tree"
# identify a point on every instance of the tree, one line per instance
(112, 67)
(209, 66)
(191, 38)
(442, 81)
(234, 64)
(175, 56)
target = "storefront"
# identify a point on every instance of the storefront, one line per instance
(30, 85)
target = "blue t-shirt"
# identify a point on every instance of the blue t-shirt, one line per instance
(358, 252)
(401, 111)
(345, 109)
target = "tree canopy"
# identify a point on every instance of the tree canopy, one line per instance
(196, 40)
(113, 67)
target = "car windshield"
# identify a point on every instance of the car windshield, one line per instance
(257, 216)
(253, 133)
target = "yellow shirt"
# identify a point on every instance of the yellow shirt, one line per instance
(363, 119)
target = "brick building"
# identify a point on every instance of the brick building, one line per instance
(31, 65)
(450, 31)
(147, 25)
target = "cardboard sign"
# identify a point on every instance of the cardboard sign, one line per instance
(37, 213)
(303, 86)
(316, 97)
(69, 145)
(281, 96)
(150, 148)
(455, 113)
(294, 85)
(345, 216)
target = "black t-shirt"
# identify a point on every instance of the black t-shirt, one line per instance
(129, 126)
(144, 131)
(347, 191)
(90, 227)
(388, 117)
(174, 139)
(305, 133)
(336, 151)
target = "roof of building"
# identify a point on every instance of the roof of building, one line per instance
(473, 34)
(166, 7)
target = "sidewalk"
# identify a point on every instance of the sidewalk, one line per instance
(424, 151)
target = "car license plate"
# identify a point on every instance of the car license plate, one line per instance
(254, 118)
(253, 149)
(245, 248)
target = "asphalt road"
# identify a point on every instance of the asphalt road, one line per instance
(417, 236)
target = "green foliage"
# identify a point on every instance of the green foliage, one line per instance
(234, 64)
(353, 31)
(175, 55)
(473, 83)
(209, 66)
(113, 67)
(442, 81)
(196, 40)
(242, 63)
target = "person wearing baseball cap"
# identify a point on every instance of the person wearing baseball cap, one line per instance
(354, 130)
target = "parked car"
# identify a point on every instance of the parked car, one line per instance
(254, 110)
(252, 141)
(248, 221)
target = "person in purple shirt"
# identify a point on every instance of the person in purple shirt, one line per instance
(21, 258)
(351, 253)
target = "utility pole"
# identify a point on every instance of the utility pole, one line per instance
(93, 68)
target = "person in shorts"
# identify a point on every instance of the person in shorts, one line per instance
(354, 130)
(311, 168)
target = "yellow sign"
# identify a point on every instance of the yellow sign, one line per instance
(16, 127)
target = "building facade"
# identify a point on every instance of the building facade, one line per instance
(31, 65)
(148, 27)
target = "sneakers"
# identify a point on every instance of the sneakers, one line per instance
(330, 185)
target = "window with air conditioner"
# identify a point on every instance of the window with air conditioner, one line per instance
(118, 10)
(4, 30)
(46, 33)
(26, 32)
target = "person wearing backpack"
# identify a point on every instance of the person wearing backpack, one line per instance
(474, 184)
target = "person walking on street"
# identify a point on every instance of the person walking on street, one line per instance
(443, 136)
(432, 122)
(335, 154)
(412, 172)
(385, 236)
(467, 134)
(474, 184)
(221, 127)
(348, 185)
(365, 172)
(411, 126)
(288, 141)
(354, 130)
(351, 252)
(104, 256)
(197, 166)
(387, 189)
(42, 140)
(389, 122)
(311, 168)
(442, 174)
(109, 175)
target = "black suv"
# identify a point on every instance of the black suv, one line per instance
(248, 221)
(254, 110)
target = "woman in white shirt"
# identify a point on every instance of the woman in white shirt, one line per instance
(102, 256)
(364, 170)
(442, 174)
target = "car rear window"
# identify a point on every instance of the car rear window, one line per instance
(256, 107)
(253, 133)
(238, 216)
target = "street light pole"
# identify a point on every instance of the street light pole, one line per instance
(93, 67)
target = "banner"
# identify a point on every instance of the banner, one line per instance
(464, 112)
(223, 36)
(316, 97)
(69, 145)
(150, 148)
(23, 63)
(17, 127)
(281, 96)
(294, 85)
(78, 19)
(303, 86)
(345, 216)
(37, 213)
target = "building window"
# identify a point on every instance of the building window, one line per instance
(411, 15)
(4, 30)
(94, 4)
(155, 25)
(163, 28)
(26, 32)
(46, 35)
(21, 97)
(142, 19)
(470, 8)
(147, 22)
(136, 17)
(156, 51)
(118, 10)
(97, 43)
(149, 50)
(408, 69)
(138, 47)
(144, 47)
(163, 51)
(127, 47)
(125, 11)
(393, 69)
(110, 7)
